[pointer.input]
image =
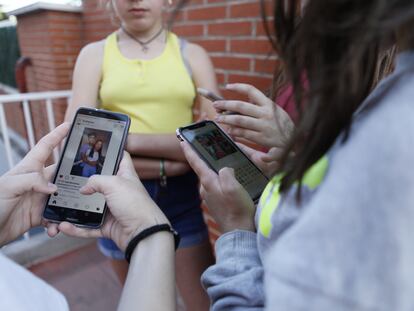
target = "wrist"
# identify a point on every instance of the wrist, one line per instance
(143, 225)
(147, 234)
(245, 223)
(161, 242)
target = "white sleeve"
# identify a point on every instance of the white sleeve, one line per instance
(21, 290)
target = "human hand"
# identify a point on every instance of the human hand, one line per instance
(228, 202)
(25, 187)
(202, 116)
(131, 209)
(268, 162)
(260, 121)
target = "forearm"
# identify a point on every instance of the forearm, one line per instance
(150, 168)
(240, 286)
(150, 283)
(165, 146)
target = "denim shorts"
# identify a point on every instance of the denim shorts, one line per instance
(180, 201)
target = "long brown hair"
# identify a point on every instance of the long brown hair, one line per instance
(331, 56)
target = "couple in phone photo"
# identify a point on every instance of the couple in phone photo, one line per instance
(90, 156)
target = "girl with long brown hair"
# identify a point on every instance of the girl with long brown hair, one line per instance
(332, 230)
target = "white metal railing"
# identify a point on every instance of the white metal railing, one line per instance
(45, 98)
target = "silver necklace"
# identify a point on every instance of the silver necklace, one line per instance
(142, 43)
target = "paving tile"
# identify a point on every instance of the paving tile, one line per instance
(85, 278)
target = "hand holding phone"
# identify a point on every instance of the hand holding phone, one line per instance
(94, 147)
(212, 97)
(129, 204)
(218, 150)
(23, 189)
(228, 202)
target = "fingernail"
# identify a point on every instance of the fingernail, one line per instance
(218, 118)
(52, 186)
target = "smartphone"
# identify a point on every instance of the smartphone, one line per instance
(218, 150)
(209, 94)
(212, 97)
(94, 146)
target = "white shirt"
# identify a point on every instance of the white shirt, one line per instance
(20, 290)
(95, 156)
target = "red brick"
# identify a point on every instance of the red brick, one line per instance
(189, 30)
(266, 65)
(262, 83)
(245, 10)
(251, 46)
(212, 45)
(207, 13)
(230, 29)
(232, 63)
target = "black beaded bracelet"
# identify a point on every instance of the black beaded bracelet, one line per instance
(146, 233)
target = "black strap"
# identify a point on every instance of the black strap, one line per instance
(146, 233)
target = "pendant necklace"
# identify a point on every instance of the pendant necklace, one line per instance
(144, 44)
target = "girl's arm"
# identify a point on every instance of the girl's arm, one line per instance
(165, 146)
(203, 76)
(86, 78)
(147, 168)
(150, 284)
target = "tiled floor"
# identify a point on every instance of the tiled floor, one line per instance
(85, 278)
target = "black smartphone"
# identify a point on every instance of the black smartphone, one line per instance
(218, 150)
(95, 145)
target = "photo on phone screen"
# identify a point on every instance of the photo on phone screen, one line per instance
(218, 150)
(91, 154)
(94, 147)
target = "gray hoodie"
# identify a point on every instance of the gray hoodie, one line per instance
(349, 246)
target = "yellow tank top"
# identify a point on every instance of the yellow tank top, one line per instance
(157, 94)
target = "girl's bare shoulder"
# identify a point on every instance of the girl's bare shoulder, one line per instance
(93, 51)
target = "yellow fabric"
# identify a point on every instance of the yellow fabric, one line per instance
(270, 198)
(314, 176)
(157, 94)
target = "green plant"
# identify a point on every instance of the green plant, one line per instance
(9, 54)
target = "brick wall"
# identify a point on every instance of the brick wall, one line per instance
(232, 32)
(52, 40)
(96, 21)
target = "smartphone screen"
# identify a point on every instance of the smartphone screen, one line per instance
(94, 147)
(218, 151)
